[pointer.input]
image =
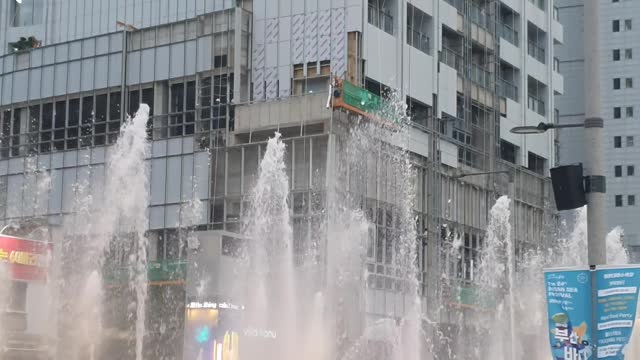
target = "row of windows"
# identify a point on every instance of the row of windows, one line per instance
(617, 83)
(631, 170)
(631, 200)
(628, 54)
(95, 119)
(617, 141)
(617, 112)
(616, 25)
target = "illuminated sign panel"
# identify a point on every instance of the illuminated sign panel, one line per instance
(218, 331)
(26, 259)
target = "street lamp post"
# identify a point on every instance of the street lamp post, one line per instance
(595, 182)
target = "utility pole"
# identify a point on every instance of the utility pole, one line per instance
(593, 129)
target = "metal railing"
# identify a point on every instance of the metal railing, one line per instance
(536, 51)
(536, 105)
(507, 89)
(418, 40)
(451, 58)
(480, 76)
(380, 19)
(508, 33)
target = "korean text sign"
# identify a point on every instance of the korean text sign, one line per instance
(616, 301)
(569, 309)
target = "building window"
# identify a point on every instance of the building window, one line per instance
(628, 54)
(616, 83)
(616, 54)
(631, 200)
(629, 111)
(617, 112)
(182, 108)
(536, 163)
(616, 25)
(628, 83)
(618, 200)
(508, 151)
(629, 140)
(418, 111)
(631, 170)
(377, 88)
(26, 12)
(380, 15)
(627, 24)
(417, 26)
(617, 142)
(618, 170)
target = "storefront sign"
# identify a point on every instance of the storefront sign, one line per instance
(213, 305)
(569, 309)
(616, 301)
(26, 259)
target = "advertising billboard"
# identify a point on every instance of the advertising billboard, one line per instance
(591, 312)
(26, 260)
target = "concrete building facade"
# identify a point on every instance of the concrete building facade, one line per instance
(617, 94)
(221, 76)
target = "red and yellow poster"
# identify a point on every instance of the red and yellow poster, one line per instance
(25, 259)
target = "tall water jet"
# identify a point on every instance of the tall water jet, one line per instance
(373, 162)
(104, 235)
(127, 189)
(268, 228)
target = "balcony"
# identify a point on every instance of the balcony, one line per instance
(508, 33)
(458, 4)
(536, 51)
(507, 89)
(538, 3)
(451, 58)
(536, 105)
(380, 19)
(418, 40)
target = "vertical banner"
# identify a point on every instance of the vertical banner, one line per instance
(617, 297)
(569, 313)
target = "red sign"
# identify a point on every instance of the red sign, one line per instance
(24, 259)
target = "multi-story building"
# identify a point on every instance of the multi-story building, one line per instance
(617, 101)
(222, 76)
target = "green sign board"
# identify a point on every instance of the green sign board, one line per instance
(157, 271)
(470, 296)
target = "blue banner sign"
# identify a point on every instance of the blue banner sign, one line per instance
(616, 301)
(570, 313)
